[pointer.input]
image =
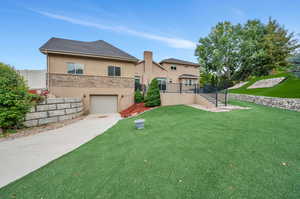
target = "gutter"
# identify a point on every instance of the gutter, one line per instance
(86, 55)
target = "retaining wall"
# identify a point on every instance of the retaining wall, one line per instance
(284, 103)
(54, 110)
(183, 98)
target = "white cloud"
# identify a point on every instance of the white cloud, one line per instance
(170, 41)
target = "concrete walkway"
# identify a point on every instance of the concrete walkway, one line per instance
(23, 155)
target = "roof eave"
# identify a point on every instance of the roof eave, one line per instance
(46, 51)
(195, 65)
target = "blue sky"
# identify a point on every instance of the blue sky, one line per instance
(168, 28)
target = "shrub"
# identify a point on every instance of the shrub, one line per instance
(153, 94)
(15, 101)
(138, 97)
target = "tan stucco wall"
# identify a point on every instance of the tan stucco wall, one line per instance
(94, 85)
(92, 66)
(168, 73)
(146, 77)
(184, 98)
(180, 69)
(177, 98)
(125, 95)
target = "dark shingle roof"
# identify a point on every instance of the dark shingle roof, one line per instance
(95, 48)
(178, 61)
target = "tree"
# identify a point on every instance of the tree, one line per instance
(153, 94)
(235, 52)
(218, 52)
(251, 56)
(15, 100)
(279, 45)
(138, 97)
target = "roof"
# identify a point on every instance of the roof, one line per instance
(178, 61)
(141, 61)
(188, 76)
(98, 48)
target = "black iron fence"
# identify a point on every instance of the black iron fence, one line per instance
(217, 96)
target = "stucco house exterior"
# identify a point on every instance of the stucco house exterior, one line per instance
(103, 75)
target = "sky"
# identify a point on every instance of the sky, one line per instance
(168, 28)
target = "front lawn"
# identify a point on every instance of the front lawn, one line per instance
(182, 153)
(290, 88)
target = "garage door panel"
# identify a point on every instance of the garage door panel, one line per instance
(104, 104)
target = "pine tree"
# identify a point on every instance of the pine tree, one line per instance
(153, 94)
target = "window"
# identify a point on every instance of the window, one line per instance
(76, 69)
(162, 82)
(173, 67)
(188, 82)
(114, 71)
(137, 83)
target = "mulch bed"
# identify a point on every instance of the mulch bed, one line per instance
(134, 110)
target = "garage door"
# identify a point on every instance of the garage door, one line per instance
(104, 104)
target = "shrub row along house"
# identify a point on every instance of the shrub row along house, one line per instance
(105, 76)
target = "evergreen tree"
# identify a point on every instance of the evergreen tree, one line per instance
(153, 94)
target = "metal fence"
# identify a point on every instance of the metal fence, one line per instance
(214, 95)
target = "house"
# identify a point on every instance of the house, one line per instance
(104, 75)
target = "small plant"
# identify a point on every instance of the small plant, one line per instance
(35, 98)
(15, 101)
(138, 97)
(153, 94)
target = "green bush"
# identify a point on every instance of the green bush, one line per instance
(15, 101)
(153, 94)
(138, 97)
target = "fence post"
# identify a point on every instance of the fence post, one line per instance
(216, 97)
(226, 92)
(180, 87)
(195, 88)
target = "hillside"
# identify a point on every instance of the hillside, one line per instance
(289, 88)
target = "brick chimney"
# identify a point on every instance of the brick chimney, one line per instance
(148, 63)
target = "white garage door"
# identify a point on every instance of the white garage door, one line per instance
(104, 104)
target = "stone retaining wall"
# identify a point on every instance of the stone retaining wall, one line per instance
(284, 103)
(54, 110)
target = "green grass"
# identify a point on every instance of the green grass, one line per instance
(182, 153)
(290, 88)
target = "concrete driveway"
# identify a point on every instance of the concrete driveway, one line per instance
(23, 155)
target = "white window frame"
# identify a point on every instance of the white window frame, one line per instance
(76, 67)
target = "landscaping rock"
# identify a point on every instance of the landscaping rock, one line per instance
(239, 85)
(31, 123)
(55, 100)
(266, 83)
(46, 107)
(63, 106)
(284, 103)
(36, 115)
(48, 120)
(56, 113)
(71, 110)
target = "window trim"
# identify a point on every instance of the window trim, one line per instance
(75, 68)
(114, 71)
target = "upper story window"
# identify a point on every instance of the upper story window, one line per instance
(76, 69)
(114, 71)
(173, 67)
